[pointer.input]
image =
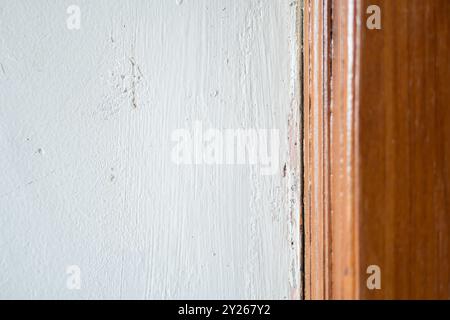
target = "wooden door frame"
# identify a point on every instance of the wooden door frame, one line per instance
(330, 102)
(376, 149)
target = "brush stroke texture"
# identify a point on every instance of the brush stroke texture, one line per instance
(85, 172)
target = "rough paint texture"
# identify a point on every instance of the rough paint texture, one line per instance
(86, 176)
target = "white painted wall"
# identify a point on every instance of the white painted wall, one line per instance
(86, 176)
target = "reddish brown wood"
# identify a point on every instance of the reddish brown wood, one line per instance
(316, 124)
(344, 150)
(404, 150)
(377, 149)
(329, 152)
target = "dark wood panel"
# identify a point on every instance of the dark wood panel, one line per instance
(404, 150)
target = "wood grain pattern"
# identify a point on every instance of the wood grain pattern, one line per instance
(316, 148)
(387, 166)
(330, 172)
(343, 151)
(404, 150)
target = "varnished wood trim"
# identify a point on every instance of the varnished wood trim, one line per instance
(331, 72)
(377, 149)
(316, 148)
(344, 156)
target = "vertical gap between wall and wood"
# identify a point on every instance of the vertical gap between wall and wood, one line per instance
(300, 37)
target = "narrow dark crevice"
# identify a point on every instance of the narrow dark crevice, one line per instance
(302, 165)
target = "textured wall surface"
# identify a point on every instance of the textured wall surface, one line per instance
(86, 175)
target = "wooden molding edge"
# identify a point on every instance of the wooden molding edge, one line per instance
(331, 69)
(316, 148)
